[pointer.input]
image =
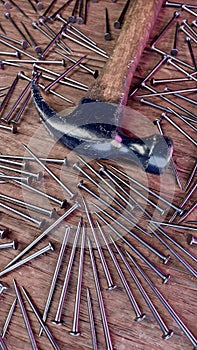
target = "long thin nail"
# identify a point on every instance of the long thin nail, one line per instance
(62, 161)
(8, 16)
(51, 213)
(165, 29)
(37, 176)
(22, 180)
(177, 256)
(72, 195)
(55, 276)
(191, 176)
(19, 114)
(48, 9)
(7, 245)
(58, 317)
(45, 233)
(110, 282)
(25, 317)
(37, 48)
(176, 318)
(8, 318)
(154, 194)
(100, 299)
(56, 37)
(40, 223)
(186, 8)
(188, 41)
(142, 241)
(60, 9)
(174, 50)
(119, 21)
(92, 323)
(9, 94)
(184, 227)
(45, 328)
(188, 212)
(167, 333)
(171, 92)
(10, 161)
(19, 9)
(72, 17)
(27, 259)
(75, 325)
(2, 344)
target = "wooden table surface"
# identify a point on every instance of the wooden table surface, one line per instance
(36, 276)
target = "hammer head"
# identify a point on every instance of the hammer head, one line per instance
(93, 129)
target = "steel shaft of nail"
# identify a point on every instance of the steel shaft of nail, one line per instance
(147, 189)
(22, 109)
(191, 176)
(2, 344)
(53, 33)
(171, 92)
(183, 120)
(184, 227)
(27, 259)
(108, 174)
(100, 251)
(71, 194)
(18, 49)
(177, 256)
(55, 276)
(11, 161)
(167, 333)
(188, 212)
(165, 29)
(25, 317)
(15, 178)
(23, 215)
(45, 233)
(27, 205)
(8, 318)
(188, 41)
(65, 82)
(153, 267)
(47, 160)
(100, 299)
(56, 37)
(22, 172)
(186, 8)
(173, 58)
(174, 315)
(76, 166)
(58, 315)
(9, 94)
(8, 245)
(91, 318)
(75, 324)
(45, 328)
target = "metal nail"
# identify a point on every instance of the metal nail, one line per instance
(191, 239)
(32, 5)
(48, 9)
(7, 4)
(166, 81)
(176, 126)
(19, 9)
(37, 47)
(25, 317)
(187, 212)
(58, 317)
(175, 4)
(45, 233)
(186, 8)
(7, 245)
(154, 194)
(174, 50)
(12, 129)
(9, 94)
(65, 73)
(107, 273)
(191, 176)
(165, 29)
(139, 315)
(168, 92)
(173, 58)
(22, 180)
(167, 333)
(119, 21)
(15, 41)
(176, 318)
(37, 176)
(60, 9)
(177, 256)
(51, 213)
(44, 250)
(8, 318)
(75, 86)
(19, 114)
(132, 234)
(6, 53)
(184, 227)
(45, 328)
(39, 5)
(56, 37)
(4, 232)
(61, 203)
(76, 166)
(2, 288)
(62, 161)
(2, 344)
(8, 16)
(79, 18)
(55, 276)
(72, 195)
(39, 223)
(188, 41)
(72, 17)
(100, 299)
(91, 318)
(85, 12)
(75, 324)
(107, 35)
(10, 160)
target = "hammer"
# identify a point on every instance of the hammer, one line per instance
(93, 128)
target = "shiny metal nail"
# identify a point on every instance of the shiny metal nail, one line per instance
(37, 176)
(71, 194)
(174, 50)
(171, 311)
(25, 317)
(191, 177)
(187, 9)
(8, 318)
(22, 180)
(45, 233)
(100, 299)
(44, 250)
(4, 232)
(58, 317)
(37, 47)
(11, 245)
(191, 239)
(173, 58)
(55, 276)
(119, 21)
(56, 37)
(9, 94)
(19, 114)
(107, 273)
(62, 161)
(12, 128)
(188, 41)
(39, 223)
(163, 223)
(187, 212)
(45, 328)
(165, 29)
(75, 323)
(167, 333)
(138, 313)
(8, 16)
(91, 318)
(10, 160)
(2, 288)
(2, 344)
(132, 234)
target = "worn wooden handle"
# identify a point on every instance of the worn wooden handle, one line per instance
(115, 79)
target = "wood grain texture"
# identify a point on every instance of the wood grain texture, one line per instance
(36, 276)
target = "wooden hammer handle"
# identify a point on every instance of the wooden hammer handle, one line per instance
(114, 82)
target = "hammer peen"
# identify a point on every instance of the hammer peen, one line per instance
(93, 128)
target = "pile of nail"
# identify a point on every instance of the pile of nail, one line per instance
(112, 233)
